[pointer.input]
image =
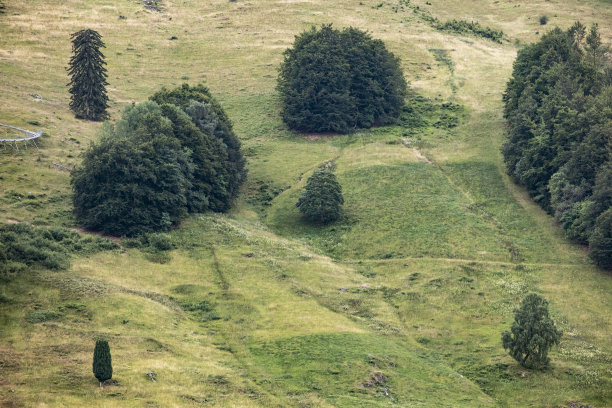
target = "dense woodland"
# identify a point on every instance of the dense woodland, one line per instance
(558, 105)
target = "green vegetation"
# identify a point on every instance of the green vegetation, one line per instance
(220, 166)
(533, 333)
(321, 202)
(400, 302)
(23, 246)
(159, 163)
(470, 27)
(558, 105)
(88, 76)
(339, 80)
(102, 363)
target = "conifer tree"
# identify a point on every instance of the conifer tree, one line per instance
(88, 76)
(102, 365)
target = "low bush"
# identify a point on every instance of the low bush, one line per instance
(23, 246)
(470, 27)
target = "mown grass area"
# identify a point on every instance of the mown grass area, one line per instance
(400, 303)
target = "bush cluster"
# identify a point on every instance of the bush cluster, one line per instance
(23, 246)
(339, 80)
(558, 105)
(470, 27)
(165, 158)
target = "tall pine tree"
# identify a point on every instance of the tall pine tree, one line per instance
(102, 365)
(88, 76)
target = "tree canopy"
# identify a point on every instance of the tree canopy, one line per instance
(102, 362)
(532, 334)
(88, 98)
(210, 119)
(157, 164)
(339, 80)
(558, 105)
(322, 199)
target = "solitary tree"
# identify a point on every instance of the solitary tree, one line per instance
(322, 199)
(102, 365)
(533, 333)
(88, 76)
(339, 80)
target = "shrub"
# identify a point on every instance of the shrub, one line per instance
(533, 333)
(332, 80)
(322, 199)
(543, 20)
(40, 316)
(102, 362)
(88, 98)
(23, 246)
(470, 27)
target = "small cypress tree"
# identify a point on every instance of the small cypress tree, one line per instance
(533, 333)
(322, 199)
(88, 76)
(102, 365)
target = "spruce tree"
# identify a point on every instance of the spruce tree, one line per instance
(102, 365)
(88, 76)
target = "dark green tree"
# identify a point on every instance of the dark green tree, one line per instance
(229, 165)
(558, 105)
(136, 179)
(601, 240)
(322, 199)
(88, 98)
(102, 364)
(332, 80)
(532, 334)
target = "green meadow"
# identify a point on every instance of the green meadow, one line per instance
(399, 303)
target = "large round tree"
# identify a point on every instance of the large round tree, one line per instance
(210, 119)
(339, 80)
(136, 179)
(88, 98)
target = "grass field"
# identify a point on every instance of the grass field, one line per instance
(400, 303)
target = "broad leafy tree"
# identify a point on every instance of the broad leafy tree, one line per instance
(229, 170)
(136, 179)
(88, 98)
(339, 80)
(532, 334)
(322, 199)
(102, 363)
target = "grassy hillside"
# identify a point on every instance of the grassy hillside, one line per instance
(400, 303)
